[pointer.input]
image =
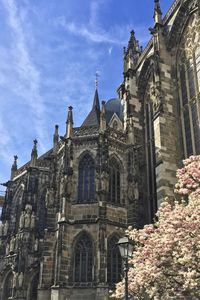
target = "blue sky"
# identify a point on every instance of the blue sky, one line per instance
(49, 53)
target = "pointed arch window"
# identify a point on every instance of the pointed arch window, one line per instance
(86, 179)
(188, 71)
(83, 259)
(114, 181)
(42, 214)
(114, 262)
(8, 286)
(34, 287)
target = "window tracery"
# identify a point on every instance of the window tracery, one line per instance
(86, 179)
(114, 181)
(189, 79)
(83, 259)
(114, 262)
(8, 286)
(34, 287)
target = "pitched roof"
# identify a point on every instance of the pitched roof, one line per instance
(93, 117)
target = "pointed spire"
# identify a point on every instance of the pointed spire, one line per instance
(14, 167)
(96, 100)
(34, 154)
(157, 13)
(69, 123)
(93, 117)
(103, 117)
(55, 137)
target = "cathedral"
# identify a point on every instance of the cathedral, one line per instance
(65, 211)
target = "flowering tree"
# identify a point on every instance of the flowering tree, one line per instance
(166, 260)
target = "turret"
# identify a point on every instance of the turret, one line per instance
(69, 123)
(34, 154)
(14, 167)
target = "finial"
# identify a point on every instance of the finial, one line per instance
(34, 154)
(103, 116)
(132, 33)
(157, 12)
(35, 143)
(55, 137)
(14, 167)
(15, 159)
(69, 122)
(96, 79)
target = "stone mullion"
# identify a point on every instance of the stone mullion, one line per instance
(189, 109)
(182, 115)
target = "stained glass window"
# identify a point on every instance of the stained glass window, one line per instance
(114, 262)
(8, 286)
(190, 83)
(86, 179)
(83, 259)
(114, 181)
(34, 287)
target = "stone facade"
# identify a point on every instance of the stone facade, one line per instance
(64, 211)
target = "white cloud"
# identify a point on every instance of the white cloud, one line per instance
(28, 86)
(110, 50)
(95, 35)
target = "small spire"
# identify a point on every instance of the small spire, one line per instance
(103, 116)
(34, 154)
(157, 13)
(14, 167)
(55, 137)
(69, 123)
(133, 44)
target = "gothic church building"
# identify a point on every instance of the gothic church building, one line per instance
(64, 211)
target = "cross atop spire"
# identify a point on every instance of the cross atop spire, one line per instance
(97, 79)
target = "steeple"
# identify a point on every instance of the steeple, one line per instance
(34, 154)
(69, 123)
(14, 167)
(55, 137)
(93, 117)
(157, 13)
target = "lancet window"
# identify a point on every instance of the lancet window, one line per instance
(8, 286)
(189, 83)
(83, 259)
(34, 288)
(114, 181)
(86, 179)
(114, 262)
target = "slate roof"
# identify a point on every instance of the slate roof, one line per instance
(93, 117)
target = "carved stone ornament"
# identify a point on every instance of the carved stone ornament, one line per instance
(190, 39)
(49, 199)
(104, 182)
(156, 96)
(133, 191)
(22, 220)
(27, 217)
